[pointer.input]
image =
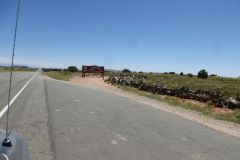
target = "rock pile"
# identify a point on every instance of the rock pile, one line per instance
(139, 81)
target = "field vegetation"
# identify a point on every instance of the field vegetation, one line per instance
(225, 86)
(61, 74)
(17, 69)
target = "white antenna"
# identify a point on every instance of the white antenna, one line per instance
(7, 142)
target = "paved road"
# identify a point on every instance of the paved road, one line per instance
(68, 121)
(19, 79)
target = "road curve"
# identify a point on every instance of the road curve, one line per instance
(68, 121)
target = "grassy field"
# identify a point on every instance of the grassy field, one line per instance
(225, 86)
(206, 109)
(16, 69)
(61, 75)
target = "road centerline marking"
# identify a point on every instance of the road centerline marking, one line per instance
(16, 96)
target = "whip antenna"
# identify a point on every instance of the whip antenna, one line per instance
(7, 142)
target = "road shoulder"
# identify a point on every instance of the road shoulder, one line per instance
(219, 125)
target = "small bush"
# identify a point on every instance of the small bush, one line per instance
(165, 73)
(72, 69)
(126, 70)
(213, 75)
(181, 74)
(203, 74)
(190, 75)
(238, 96)
(56, 69)
(171, 72)
(237, 115)
(51, 69)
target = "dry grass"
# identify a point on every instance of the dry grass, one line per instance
(225, 86)
(204, 108)
(62, 75)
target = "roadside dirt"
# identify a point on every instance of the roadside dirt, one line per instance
(222, 126)
(223, 111)
(94, 82)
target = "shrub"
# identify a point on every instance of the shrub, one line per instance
(72, 69)
(171, 72)
(126, 70)
(51, 69)
(203, 74)
(238, 96)
(56, 69)
(236, 114)
(141, 72)
(181, 74)
(213, 75)
(190, 75)
(165, 73)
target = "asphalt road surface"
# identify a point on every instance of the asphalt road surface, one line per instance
(66, 121)
(19, 79)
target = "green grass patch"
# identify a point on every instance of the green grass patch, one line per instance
(207, 109)
(61, 75)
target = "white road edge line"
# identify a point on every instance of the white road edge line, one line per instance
(16, 96)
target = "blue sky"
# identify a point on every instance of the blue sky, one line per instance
(142, 35)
